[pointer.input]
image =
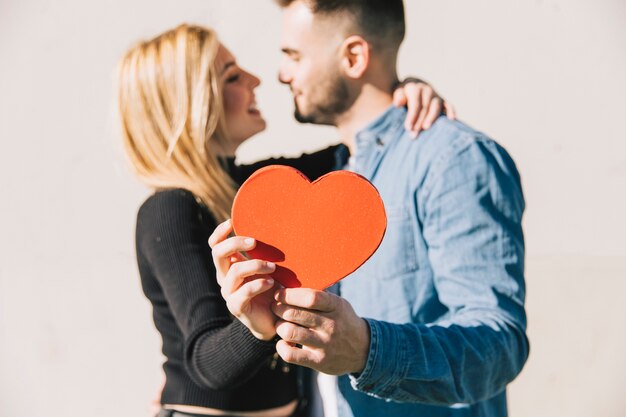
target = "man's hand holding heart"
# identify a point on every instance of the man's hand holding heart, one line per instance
(321, 331)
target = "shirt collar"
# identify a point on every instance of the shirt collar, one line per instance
(380, 131)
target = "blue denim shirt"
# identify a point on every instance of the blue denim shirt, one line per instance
(444, 293)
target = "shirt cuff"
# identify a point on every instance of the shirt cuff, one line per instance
(384, 366)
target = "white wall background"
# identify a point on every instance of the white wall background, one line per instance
(544, 77)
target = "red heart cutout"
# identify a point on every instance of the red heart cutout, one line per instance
(316, 233)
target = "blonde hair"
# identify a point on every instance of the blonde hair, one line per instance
(172, 114)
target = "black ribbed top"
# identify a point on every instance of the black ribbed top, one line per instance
(212, 360)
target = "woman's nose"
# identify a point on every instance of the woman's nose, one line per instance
(254, 80)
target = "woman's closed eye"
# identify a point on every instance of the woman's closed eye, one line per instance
(233, 78)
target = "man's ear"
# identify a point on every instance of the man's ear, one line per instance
(355, 56)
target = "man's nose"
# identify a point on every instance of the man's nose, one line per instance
(283, 76)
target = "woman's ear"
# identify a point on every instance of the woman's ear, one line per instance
(355, 56)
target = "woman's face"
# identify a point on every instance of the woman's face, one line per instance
(243, 119)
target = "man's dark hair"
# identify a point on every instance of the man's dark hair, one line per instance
(382, 21)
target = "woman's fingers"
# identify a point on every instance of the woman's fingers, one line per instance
(423, 104)
(434, 110)
(220, 233)
(413, 94)
(224, 250)
(450, 111)
(240, 299)
(427, 97)
(399, 97)
(241, 270)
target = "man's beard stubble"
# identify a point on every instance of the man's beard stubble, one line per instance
(334, 100)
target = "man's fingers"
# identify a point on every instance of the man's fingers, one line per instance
(434, 110)
(222, 251)
(292, 354)
(220, 233)
(300, 316)
(450, 111)
(241, 270)
(306, 298)
(293, 333)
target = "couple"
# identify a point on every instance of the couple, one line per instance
(432, 325)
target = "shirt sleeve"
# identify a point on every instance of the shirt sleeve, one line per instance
(220, 352)
(313, 165)
(471, 207)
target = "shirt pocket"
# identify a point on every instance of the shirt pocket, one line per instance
(395, 257)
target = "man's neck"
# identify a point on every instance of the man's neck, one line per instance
(371, 103)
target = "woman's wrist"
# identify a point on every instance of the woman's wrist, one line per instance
(264, 336)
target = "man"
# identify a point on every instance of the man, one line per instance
(433, 324)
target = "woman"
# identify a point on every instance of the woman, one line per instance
(185, 107)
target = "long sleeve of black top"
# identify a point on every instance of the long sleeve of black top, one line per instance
(172, 233)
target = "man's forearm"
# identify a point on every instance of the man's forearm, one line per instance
(442, 364)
